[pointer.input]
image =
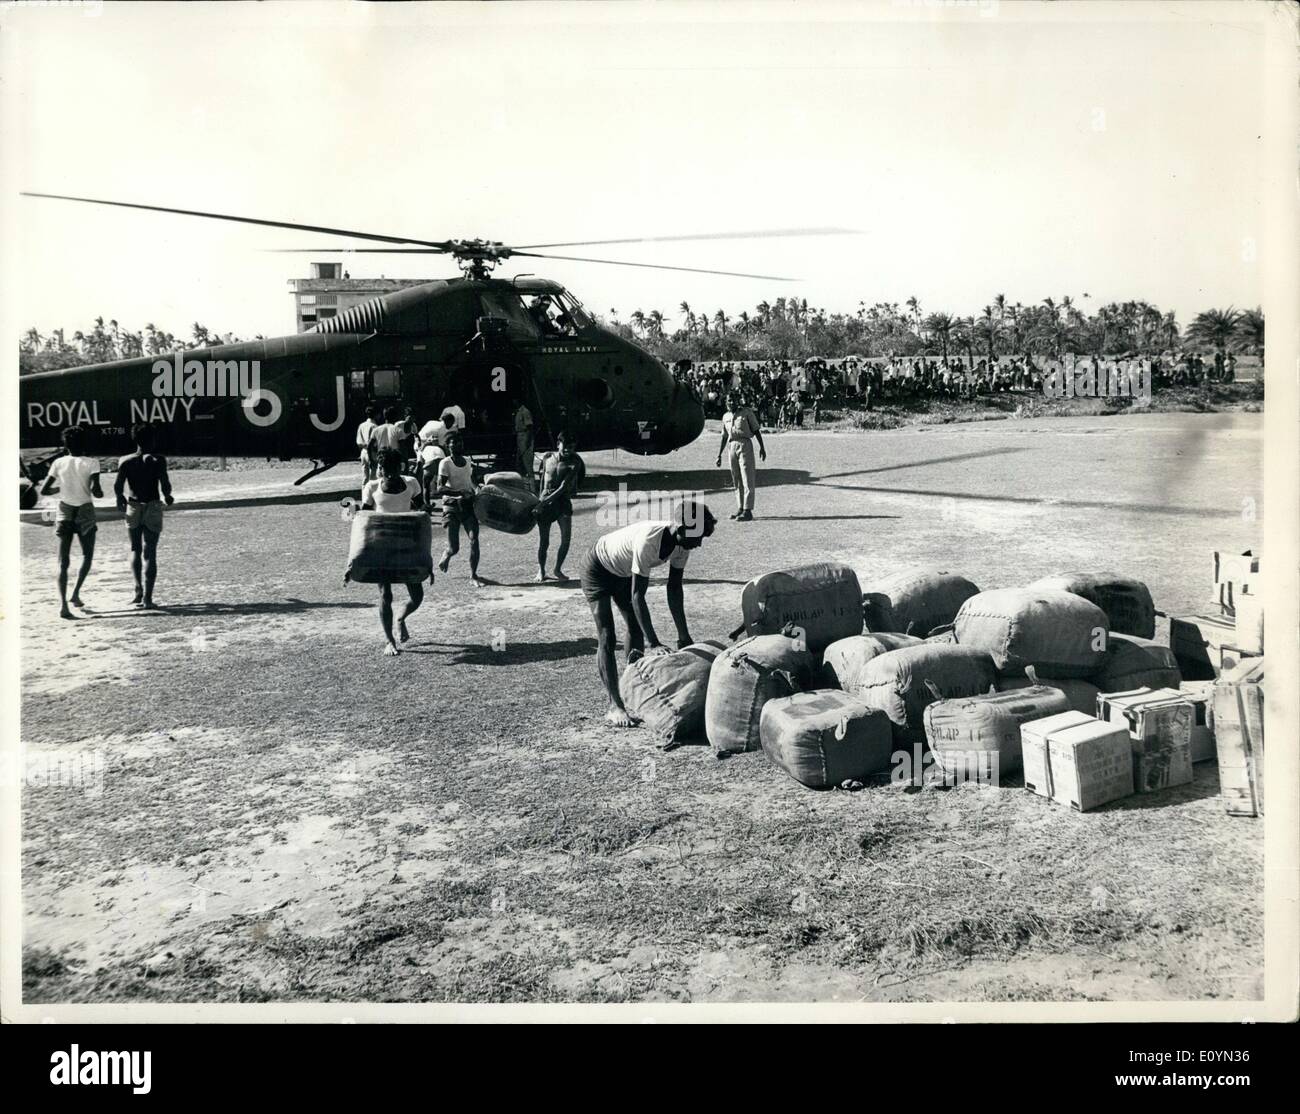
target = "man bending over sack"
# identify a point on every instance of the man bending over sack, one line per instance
(617, 570)
(394, 493)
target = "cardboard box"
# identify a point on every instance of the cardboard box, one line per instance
(1159, 722)
(1235, 575)
(1205, 645)
(1077, 760)
(1201, 696)
(1239, 738)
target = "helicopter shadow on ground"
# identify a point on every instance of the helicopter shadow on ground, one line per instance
(512, 653)
(288, 606)
(695, 479)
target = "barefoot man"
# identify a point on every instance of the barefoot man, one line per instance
(562, 472)
(456, 486)
(75, 478)
(144, 473)
(617, 571)
(394, 493)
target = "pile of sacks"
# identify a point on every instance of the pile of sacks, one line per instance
(830, 682)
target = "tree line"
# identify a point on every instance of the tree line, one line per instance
(104, 342)
(789, 328)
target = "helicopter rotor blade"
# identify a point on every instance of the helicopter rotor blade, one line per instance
(434, 245)
(361, 251)
(652, 266)
(760, 234)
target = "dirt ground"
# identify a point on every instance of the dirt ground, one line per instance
(264, 808)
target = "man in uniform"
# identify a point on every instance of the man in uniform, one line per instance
(739, 428)
(524, 443)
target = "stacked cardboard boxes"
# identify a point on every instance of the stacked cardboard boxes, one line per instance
(1076, 760)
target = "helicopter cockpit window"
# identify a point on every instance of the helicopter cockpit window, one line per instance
(510, 308)
(555, 315)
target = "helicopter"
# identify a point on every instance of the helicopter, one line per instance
(479, 343)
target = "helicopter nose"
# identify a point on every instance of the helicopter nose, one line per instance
(685, 419)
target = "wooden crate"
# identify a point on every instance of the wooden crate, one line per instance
(1239, 738)
(1159, 723)
(1205, 645)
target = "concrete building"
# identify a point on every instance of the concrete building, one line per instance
(329, 291)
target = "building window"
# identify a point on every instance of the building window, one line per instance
(327, 299)
(307, 300)
(327, 312)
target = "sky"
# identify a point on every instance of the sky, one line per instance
(1106, 150)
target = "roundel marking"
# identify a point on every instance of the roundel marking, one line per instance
(250, 402)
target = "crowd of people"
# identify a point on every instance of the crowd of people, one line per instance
(782, 393)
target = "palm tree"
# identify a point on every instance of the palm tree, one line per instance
(940, 325)
(1250, 330)
(638, 321)
(743, 318)
(689, 317)
(720, 319)
(914, 305)
(988, 329)
(655, 322)
(1214, 327)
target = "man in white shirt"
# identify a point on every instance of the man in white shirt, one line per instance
(389, 435)
(76, 480)
(739, 429)
(617, 571)
(365, 435)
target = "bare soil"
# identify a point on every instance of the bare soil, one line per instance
(280, 813)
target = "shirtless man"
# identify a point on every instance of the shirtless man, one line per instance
(457, 488)
(562, 473)
(617, 571)
(144, 472)
(392, 493)
(75, 478)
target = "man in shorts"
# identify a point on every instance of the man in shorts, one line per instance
(394, 492)
(144, 474)
(562, 472)
(75, 478)
(365, 444)
(457, 488)
(617, 572)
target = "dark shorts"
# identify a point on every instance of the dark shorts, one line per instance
(561, 508)
(459, 511)
(75, 520)
(146, 516)
(598, 583)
